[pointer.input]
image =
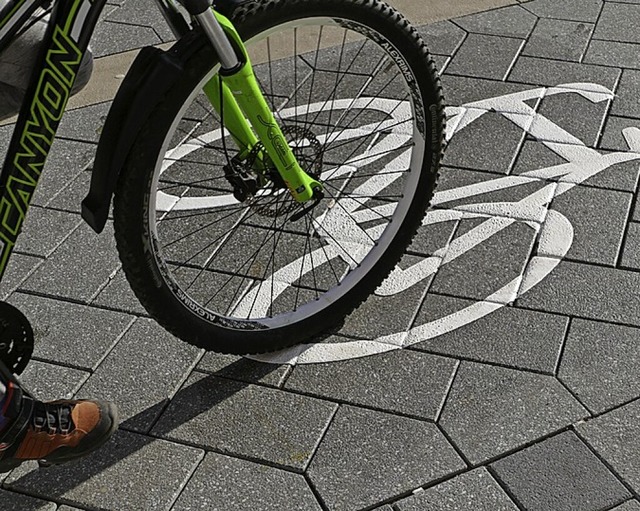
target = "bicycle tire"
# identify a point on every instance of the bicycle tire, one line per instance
(152, 231)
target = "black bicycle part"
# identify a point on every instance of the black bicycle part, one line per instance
(139, 246)
(244, 183)
(16, 338)
(257, 170)
(56, 67)
(151, 75)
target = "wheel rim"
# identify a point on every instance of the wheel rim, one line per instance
(247, 265)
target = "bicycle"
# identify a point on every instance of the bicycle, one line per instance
(268, 170)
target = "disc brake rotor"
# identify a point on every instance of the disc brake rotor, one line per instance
(16, 338)
(307, 150)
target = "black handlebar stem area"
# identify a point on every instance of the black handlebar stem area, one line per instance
(196, 7)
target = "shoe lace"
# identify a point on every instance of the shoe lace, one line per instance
(55, 418)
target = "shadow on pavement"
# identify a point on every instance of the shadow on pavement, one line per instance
(55, 482)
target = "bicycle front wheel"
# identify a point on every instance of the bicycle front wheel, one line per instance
(358, 97)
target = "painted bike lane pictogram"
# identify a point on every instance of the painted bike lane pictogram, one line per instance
(553, 230)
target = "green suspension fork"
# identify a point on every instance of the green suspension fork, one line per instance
(242, 99)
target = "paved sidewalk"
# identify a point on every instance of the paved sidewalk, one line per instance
(519, 386)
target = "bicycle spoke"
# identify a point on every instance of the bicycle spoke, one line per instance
(201, 228)
(307, 222)
(313, 77)
(365, 206)
(236, 273)
(260, 259)
(334, 91)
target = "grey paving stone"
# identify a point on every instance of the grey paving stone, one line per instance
(130, 472)
(492, 410)
(631, 251)
(141, 373)
(475, 490)
(383, 315)
(610, 53)
(614, 436)
(70, 198)
(488, 144)
(240, 419)
(142, 13)
(381, 85)
(215, 286)
(221, 482)
(66, 161)
(441, 62)
(626, 101)
(509, 336)
(443, 37)
(613, 136)
(555, 72)
(630, 505)
(70, 333)
(6, 132)
(485, 56)
(20, 267)
(587, 291)
(618, 23)
(462, 89)
(600, 363)
(575, 114)
(431, 238)
(11, 501)
(559, 39)
(368, 457)
(399, 381)
(111, 38)
(488, 266)
(575, 10)
(79, 268)
(599, 218)
(84, 124)
(117, 294)
(622, 176)
(49, 382)
(453, 178)
(67, 508)
(283, 77)
(243, 369)
(535, 155)
(562, 474)
(511, 21)
(44, 230)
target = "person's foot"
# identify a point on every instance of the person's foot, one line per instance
(56, 432)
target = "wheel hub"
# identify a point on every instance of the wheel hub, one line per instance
(257, 182)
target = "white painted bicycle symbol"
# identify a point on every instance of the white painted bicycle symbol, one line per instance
(554, 230)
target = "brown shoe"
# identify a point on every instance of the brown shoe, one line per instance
(56, 432)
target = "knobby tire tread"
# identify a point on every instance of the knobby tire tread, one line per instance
(129, 218)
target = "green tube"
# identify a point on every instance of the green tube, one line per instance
(244, 100)
(234, 120)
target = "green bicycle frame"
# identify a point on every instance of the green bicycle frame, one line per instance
(242, 99)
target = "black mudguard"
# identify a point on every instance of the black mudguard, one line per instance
(152, 73)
